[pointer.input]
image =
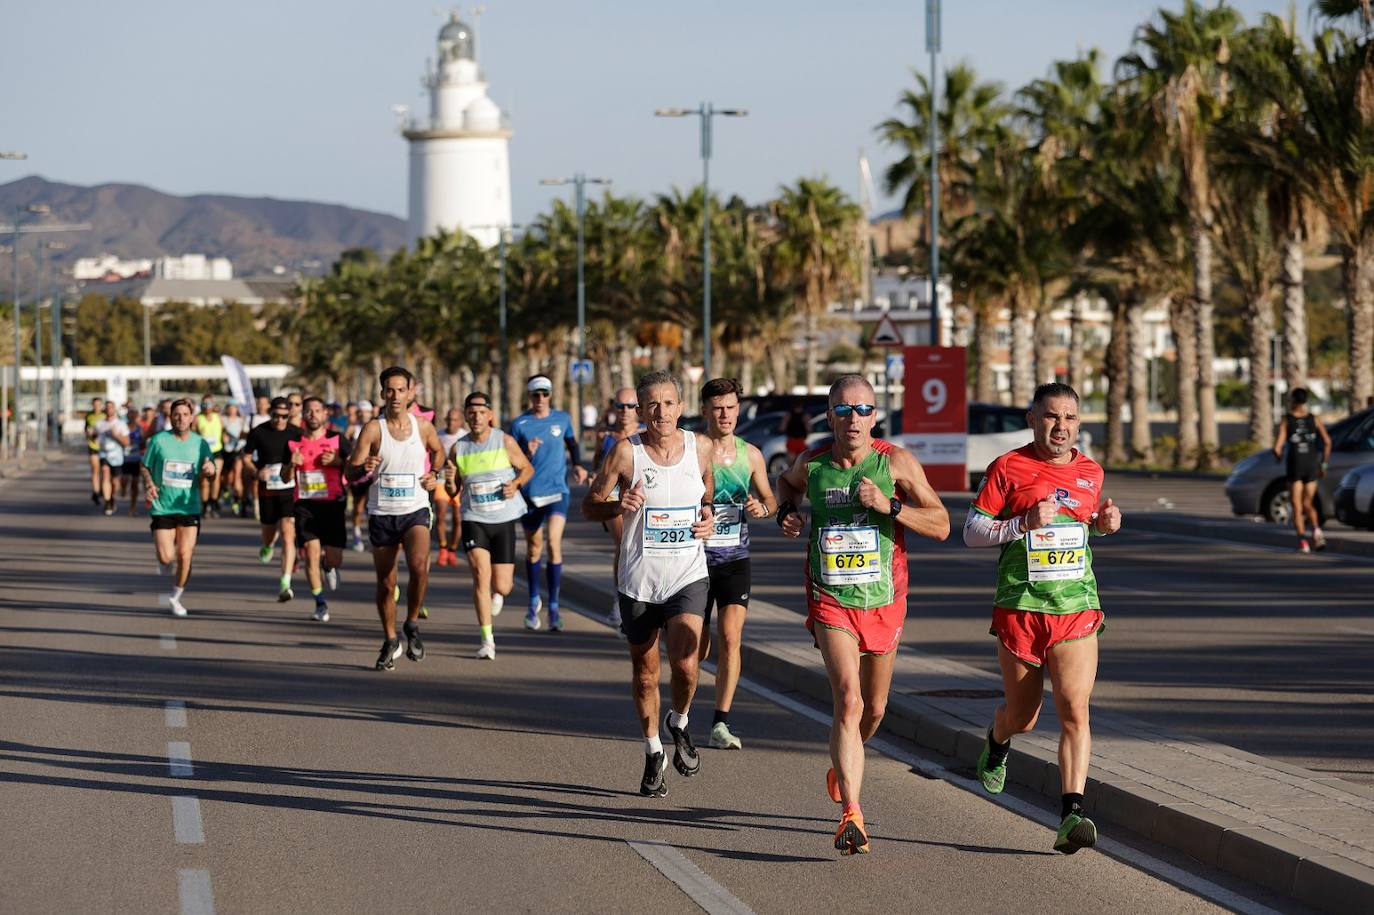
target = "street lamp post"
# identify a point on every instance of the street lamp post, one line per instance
(705, 111)
(20, 212)
(503, 234)
(580, 181)
(933, 46)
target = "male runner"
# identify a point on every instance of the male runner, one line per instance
(112, 437)
(140, 430)
(445, 512)
(210, 427)
(1301, 429)
(490, 468)
(664, 474)
(173, 463)
(394, 449)
(267, 451)
(358, 489)
(261, 414)
(624, 422)
(235, 436)
(543, 433)
(865, 493)
(95, 415)
(316, 467)
(739, 471)
(297, 404)
(1039, 505)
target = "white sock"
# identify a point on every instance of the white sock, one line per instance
(677, 721)
(652, 745)
(177, 592)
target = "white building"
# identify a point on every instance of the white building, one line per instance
(107, 268)
(460, 158)
(193, 267)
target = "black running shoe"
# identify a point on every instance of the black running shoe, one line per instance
(415, 649)
(391, 650)
(685, 759)
(653, 784)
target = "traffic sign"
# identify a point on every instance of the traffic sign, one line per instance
(886, 333)
(896, 367)
(581, 371)
(694, 373)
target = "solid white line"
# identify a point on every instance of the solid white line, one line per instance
(167, 641)
(186, 820)
(176, 713)
(193, 886)
(692, 880)
(1353, 631)
(179, 759)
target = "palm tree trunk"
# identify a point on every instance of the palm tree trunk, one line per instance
(1022, 353)
(777, 367)
(746, 371)
(1206, 349)
(1182, 321)
(984, 345)
(516, 365)
(558, 374)
(1045, 361)
(1116, 372)
(1077, 357)
(1357, 275)
(812, 354)
(1259, 321)
(1142, 441)
(625, 356)
(1294, 312)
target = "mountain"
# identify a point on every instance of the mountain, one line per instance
(256, 233)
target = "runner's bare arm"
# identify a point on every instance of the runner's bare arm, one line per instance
(616, 469)
(365, 459)
(705, 461)
(791, 491)
(1326, 440)
(766, 503)
(1280, 437)
(922, 511)
(435, 449)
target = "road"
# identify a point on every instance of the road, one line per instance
(247, 759)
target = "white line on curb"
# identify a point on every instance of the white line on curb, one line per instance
(692, 880)
(167, 641)
(193, 886)
(186, 820)
(176, 713)
(178, 759)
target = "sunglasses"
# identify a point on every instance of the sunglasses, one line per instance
(844, 409)
(626, 406)
(476, 405)
(281, 415)
(541, 394)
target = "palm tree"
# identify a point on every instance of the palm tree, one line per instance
(1178, 73)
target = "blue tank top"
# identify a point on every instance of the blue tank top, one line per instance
(550, 459)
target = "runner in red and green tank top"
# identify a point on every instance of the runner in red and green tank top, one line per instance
(864, 495)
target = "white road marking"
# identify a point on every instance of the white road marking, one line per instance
(179, 759)
(167, 641)
(1353, 631)
(193, 886)
(176, 713)
(186, 820)
(692, 880)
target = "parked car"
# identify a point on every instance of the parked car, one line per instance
(1354, 497)
(775, 454)
(1257, 486)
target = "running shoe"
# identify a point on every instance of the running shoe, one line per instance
(532, 615)
(95, 498)
(832, 785)
(685, 758)
(265, 554)
(1304, 546)
(722, 739)
(487, 652)
(415, 649)
(1075, 831)
(357, 544)
(331, 577)
(653, 784)
(109, 509)
(396, 594)
(613, 616)
(321, 614)
(850, 838)
(994, 778)
(1318, 539)
(498, 603)
(424, 612)
(177, 608)
(391, 650)
(285, 595)
(555, 620)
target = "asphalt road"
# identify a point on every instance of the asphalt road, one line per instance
(245, 759)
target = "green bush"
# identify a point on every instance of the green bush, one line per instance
(1236, 452)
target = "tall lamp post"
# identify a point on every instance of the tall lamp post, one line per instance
(580, 181)
(933, 46)
(21, 215)
(705, 111)
(502, 240)
(43, 247)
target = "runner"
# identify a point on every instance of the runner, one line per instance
(112, 437)
(739, 472)
(865, 494)
(1301, 429)
(210, 426)
(624, 422)
(297, 402)
(235, 435)
(542, 434)
(1039, 504)
(316, 468)
(262, 413)
(394, 448)
(172, 464)
(96, 414)
(445, 514)
(664, 474)
(267, 450)
(140, 431)
(358, 489)
(490, 468)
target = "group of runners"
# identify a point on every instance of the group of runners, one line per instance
(678, 506)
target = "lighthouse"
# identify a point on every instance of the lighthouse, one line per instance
(460, 159)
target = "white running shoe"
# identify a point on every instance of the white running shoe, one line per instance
(357, 544)
(487, 652)
(321, 614)
(332, 577)
(498, 603)
(177, 608)
(613, 617)
(722, 739)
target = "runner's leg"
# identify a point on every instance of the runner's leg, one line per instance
(644, 659)
(1073, 670)
(417, 561)
(165, 545)
(1023, 689)
(384, 561)
(840, 650)
(313, 574)
(730, 629)
(186, 537)
(479, 561)
(683, 633)
(1299, 507)
(875, 681)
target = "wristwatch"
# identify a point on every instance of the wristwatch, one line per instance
(894, 508)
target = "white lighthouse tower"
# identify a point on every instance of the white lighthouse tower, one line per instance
(460, 160)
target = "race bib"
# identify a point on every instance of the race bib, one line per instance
(311, 484)
(395, 491)
(178, 474)
(1057, 553)
(668, 531)
(271, 477)
(729, 519)
(541, 501)
(850, 556)
(485, 496)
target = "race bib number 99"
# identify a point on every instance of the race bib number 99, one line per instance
(850, 556)
(1058, 552)
(728, 519)
(668, 531)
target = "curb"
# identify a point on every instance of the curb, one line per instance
(29, 463)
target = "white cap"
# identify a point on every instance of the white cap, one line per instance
(539, 383)
(365, 405)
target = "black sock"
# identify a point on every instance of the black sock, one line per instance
(719, 718)
(997, 752)
(1070, 803)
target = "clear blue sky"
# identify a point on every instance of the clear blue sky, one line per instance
(291, 98)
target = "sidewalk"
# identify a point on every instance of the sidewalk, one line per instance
(1281, 827)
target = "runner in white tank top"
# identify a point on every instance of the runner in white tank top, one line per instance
(664, 475)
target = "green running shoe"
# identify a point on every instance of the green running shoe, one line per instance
(994, 778)
(1075, 832)
(265, 554)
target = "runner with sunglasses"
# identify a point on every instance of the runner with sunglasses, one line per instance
(865, 493)
(267, 451)
(624, 423)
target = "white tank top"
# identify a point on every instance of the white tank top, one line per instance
(396, 489)
(658, 554)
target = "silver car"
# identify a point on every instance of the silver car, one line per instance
(1258, 486)
(1354, 498)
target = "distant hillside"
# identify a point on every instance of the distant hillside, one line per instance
(256, 233)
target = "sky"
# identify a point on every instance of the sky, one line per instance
(292, 98)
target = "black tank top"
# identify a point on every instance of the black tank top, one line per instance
(1302, 437)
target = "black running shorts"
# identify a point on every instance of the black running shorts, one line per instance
(168, 522)
(275, 505)
(729, 585)
(322, 520)
(640, 621)
(497, 539)
(390, 530)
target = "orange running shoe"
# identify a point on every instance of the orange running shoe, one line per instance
(832, 785)
(850, 838)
